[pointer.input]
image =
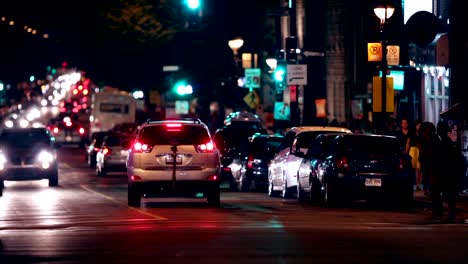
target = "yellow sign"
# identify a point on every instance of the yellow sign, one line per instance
(252, 99)
(377, 94)
(374, 51)
(393, 55)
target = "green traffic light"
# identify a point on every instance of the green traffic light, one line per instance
(279, 74)
(182, 88)
(193, 4)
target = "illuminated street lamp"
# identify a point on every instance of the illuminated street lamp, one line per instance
(235, 45)
(384, 10)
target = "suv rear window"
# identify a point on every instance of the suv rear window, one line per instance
(184, 135)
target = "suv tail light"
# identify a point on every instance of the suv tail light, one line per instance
(81, 131)
(141, 147)
(55, 130)
(342, 164)
(208, 147)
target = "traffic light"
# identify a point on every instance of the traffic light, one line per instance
(280, 75)
(193, 4)
(183, 88)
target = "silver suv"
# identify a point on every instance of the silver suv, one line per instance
(174, 158)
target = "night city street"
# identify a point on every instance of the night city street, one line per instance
(86, 220)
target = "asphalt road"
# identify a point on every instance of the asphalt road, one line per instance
(86, 220)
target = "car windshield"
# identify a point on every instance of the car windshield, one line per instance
(183, 135)
(265, 148)
(24, 139)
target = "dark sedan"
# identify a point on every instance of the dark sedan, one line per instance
(252, 166)
(371, 167)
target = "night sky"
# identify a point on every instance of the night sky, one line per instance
(78, 35)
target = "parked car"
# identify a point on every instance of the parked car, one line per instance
(173, 158)
(27, 154)
(308, 186)
(112, 157)
(94, 146)
(252, 166)
(282, 172)
(364, 166)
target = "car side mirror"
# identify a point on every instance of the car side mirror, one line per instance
(126, 144)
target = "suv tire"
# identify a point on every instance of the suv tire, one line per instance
(134, 196)
(214, 197)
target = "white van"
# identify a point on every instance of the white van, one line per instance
(109, 108)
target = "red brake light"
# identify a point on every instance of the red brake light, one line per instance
(96, 149)
(208, 147)
(106, 151)
(342, 163)
(55, 130)
(139, 147)
(250, 160)
(213, 177)
(174, 125)
(68, 124)
(81, 130)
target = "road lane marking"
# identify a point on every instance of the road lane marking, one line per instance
(112, 199)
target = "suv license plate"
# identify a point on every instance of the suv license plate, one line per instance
(373, 182)
(170, 160)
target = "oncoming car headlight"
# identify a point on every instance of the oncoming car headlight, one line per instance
(45, 157)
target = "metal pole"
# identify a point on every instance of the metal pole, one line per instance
(384, 74)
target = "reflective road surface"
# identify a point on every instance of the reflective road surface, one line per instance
(86, 220)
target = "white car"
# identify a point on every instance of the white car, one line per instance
(175, 158)
(282, 172)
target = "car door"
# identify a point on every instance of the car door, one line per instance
(275, 169)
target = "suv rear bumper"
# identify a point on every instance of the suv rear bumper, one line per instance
(166, 175)
(175, 189)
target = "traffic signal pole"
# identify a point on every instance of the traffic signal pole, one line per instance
(291, 57)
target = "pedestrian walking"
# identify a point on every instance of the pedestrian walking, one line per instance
(447, 170)
(414, 149)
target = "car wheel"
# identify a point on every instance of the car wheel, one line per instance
(134, 196)
(301, 194)
(213, 197)
(330, 195)
(286, 193)
(271, 190)
(244, 184)
(53, 179)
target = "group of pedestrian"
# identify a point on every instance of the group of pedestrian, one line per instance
(437, 162)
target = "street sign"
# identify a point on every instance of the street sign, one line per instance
(252, 78)
(297, 74)
(374, 51)
(252, 99)
(182, 107)
(313, 54)
(281, 112)
(393, 55)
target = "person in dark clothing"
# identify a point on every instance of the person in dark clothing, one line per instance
(427, 140)
(447, 168)
(404, 135)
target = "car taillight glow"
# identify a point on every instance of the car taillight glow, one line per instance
(206, 147)
(96, 149)
(55, 130)
(68, 124)
(106, 151)
(342, 163)
(250, 161)
(213, 177)
(140, 147)
(135, 178)
(81, 130)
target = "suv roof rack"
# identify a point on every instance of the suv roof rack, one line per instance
(194, 120)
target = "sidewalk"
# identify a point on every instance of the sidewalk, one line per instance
(424, 202)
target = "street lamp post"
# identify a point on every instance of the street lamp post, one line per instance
(384, 11)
